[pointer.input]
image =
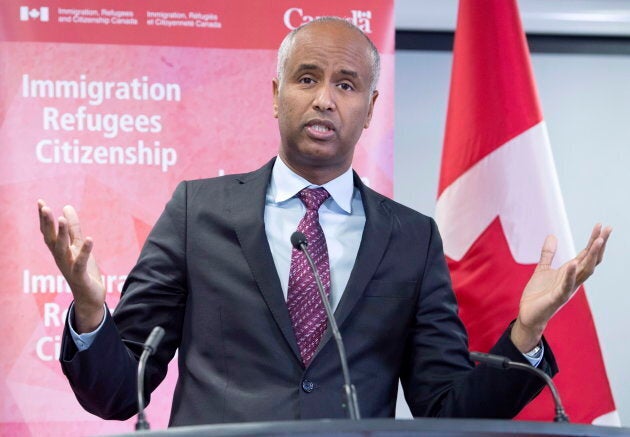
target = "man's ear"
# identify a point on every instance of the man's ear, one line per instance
(371, 109)
(275, 84)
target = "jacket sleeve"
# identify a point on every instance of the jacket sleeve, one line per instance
(438, 377)
(103, 377)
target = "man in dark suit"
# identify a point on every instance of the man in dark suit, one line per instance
(218, 273)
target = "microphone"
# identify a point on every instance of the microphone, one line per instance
(298, 240)
(505, 363)
(150, 346)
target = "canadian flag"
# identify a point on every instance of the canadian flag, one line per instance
(499, 197)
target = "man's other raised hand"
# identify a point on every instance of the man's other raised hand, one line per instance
(73, 255)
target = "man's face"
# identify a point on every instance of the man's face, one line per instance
(324, 101)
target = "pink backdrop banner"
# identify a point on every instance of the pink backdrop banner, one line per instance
(107, 105)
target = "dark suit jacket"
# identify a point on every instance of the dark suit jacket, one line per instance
(206, 275)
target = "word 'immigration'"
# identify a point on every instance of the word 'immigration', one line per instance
(96, 91)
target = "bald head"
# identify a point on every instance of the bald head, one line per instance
(323, 97)
(287, 45)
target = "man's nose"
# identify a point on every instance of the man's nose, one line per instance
(324, 99)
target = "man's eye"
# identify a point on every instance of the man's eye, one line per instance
(346, 86)
(307, 80)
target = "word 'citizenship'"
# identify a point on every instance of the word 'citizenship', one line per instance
(96, 91)
(54, 151)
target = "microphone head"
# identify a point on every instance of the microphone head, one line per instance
(298, 239)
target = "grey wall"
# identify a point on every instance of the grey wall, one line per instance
(586, 103)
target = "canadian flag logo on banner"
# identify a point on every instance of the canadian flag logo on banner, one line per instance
(499, 197)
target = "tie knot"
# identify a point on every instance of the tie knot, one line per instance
(313, 197)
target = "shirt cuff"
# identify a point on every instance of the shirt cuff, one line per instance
(536, 358)
(83, 341)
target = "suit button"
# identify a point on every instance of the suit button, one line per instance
(307, 386)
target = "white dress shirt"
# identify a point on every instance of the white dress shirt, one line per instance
(341, 217)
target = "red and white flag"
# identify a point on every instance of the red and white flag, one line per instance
(498, 198)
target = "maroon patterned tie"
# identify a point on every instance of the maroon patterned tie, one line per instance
(303, 300)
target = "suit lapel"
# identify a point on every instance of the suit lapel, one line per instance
(246, 207)
(247, 211)
(376, 234)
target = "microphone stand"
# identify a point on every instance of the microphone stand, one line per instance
(348, 388)
(150, 346)
(506, 363)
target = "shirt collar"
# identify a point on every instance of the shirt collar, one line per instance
(285, 184)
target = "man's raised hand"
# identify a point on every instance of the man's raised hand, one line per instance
(73, 255)
(549, 289)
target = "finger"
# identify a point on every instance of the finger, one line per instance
(47, 224)
(586, 266)
(81, 261)
(74, 227)
(570, 279)
(62, 244)
(92, 267)
(595, 233)
(547, 253)
(605, 234)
